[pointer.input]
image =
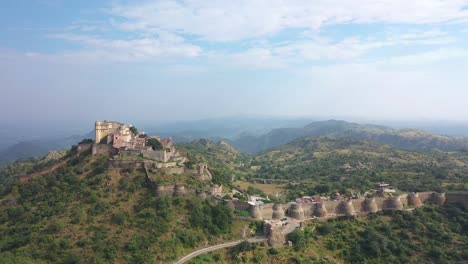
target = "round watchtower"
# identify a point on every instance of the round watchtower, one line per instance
(320, 210)
(438, 198)
(394, 203)
(346, 208)
(256, 212)
(414, 200)
(369, 205)
(297, 211)
(278, 212)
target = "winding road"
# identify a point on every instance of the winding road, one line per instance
(292, 225)
(220, 246)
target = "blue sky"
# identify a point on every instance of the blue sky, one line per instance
(161, 60)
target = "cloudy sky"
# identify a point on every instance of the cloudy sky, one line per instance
(191, 59)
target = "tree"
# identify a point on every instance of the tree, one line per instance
(154, 143)
(134, 130)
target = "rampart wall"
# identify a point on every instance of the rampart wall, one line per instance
(103, 149)
(328, 209)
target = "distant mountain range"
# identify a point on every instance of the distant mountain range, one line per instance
(403, 138)
(39, 147)
(253, 141)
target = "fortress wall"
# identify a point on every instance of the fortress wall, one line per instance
(456, 197)
(239, 205)
(173, 190)
(267, 211)
(83, 148)
(173, 170)
(345, 208)
(256, 212)
(296, 211)
(414, 200)
(425, 197)
(357, 204)
(392, 203)
(330, 206)
(320, 210)
(155, 154)
(125, 164)
(308, 209)
(404, 199)
(352, 207)
(103, 149)
(278, 211)
(369, 205)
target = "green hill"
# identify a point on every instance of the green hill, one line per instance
(85, 212)
(405, 138)
(333, 163)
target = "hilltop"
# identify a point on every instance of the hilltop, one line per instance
(403, 138)
(88, 212)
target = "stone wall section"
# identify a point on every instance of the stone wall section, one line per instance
(335, 208)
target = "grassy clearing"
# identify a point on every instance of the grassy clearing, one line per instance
(270, 189)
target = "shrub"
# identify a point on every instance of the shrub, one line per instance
(119, 218)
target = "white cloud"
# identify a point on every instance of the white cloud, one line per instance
(317, 49)
(168, 46)
(217, 20)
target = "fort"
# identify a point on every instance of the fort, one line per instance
(124, 140)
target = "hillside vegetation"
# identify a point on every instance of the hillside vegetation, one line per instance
(427, 235)
(336, 164)
(87, 213)
(405, 138)
(224, 160)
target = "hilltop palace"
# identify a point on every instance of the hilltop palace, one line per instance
(124, 140)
